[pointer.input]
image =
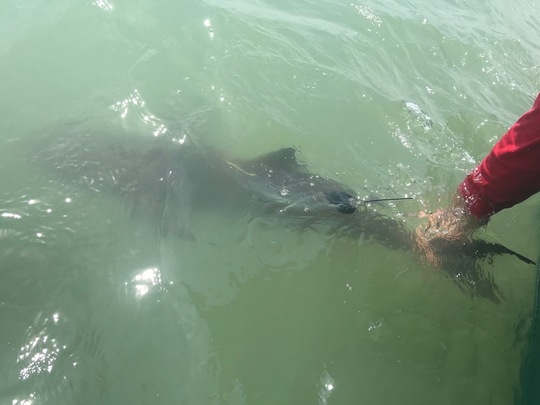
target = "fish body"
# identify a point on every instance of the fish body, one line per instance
(172, 179)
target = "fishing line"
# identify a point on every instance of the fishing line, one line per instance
(387, 199)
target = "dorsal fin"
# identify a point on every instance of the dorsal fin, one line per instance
(282, 158)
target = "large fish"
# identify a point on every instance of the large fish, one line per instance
(169, 178)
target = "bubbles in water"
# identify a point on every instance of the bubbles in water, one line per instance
(416, 112)
(328, 386)
(208, 24)
(368, 14)
(374, 325)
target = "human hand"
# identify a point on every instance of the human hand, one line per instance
(443, 225)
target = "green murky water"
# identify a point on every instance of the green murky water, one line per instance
(389, 98)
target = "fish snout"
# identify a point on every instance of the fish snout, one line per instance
(343, 201)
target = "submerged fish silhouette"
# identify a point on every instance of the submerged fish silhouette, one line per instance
(171, 179)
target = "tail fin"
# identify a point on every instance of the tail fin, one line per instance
(484, 248)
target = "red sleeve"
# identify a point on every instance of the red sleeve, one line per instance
(510, 173)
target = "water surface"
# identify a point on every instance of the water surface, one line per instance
(390, 98)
